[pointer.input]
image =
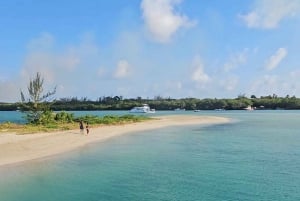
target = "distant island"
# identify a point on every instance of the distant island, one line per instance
(160, 103)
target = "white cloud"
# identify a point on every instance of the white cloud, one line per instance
(267, 14)
(162, 20)
(123, 69)
(275, 59)
(198, 74)
(235, 60)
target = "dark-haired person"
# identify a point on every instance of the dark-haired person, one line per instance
(81, 127)
(87, 127)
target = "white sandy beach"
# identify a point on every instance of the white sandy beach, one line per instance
(19, 148)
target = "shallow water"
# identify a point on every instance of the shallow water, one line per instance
(256, 157)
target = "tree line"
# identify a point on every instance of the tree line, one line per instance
(159, 103)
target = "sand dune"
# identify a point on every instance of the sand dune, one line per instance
(19, 148)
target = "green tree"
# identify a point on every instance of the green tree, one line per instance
(37, 105)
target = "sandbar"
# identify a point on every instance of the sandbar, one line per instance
(20, 148)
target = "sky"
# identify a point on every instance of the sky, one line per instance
(150, 48)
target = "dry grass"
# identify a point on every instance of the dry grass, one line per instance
(28, 128)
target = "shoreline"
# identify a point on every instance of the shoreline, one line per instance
(20, 148)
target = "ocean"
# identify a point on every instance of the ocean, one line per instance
(255, 157)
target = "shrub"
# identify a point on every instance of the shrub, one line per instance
(64, 117)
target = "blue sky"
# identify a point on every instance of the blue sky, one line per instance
(148, 48)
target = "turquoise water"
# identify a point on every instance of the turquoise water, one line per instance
(11, 116)
(18, 117)
(256, 157)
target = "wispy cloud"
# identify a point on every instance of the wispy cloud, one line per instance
(9, 91)
(162, 20)
(235, 60)
(267, 84)
(275, 59)
(173, 85)
(230, 83)
(72, 68)
(101, 72)
(44, 42)
(295, 74)
(294, 82)
(287, 84)
(198, 75)
(267, 14)
(123, 69)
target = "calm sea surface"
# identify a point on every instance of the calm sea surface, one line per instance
(256, 157)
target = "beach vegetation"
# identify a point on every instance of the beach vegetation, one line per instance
(111, 119)
(67, 121)
(64, 117)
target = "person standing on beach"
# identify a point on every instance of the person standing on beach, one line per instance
(81, 127)
(87, 128)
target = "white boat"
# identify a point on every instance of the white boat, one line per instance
(142, 109)
(196, 110)
(179, 109)
(249, 108)
(219, 109)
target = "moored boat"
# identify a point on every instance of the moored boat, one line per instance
(142, 109)
(249, 108)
